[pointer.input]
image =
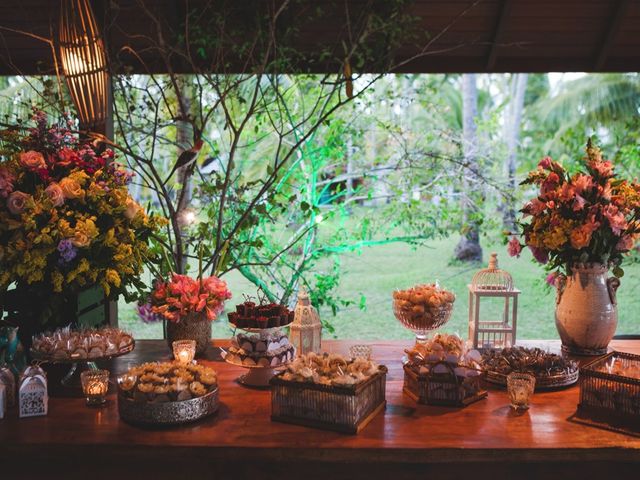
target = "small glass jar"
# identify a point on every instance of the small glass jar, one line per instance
(520, 387)
(126, 382)
(95, 384)
(184, 351)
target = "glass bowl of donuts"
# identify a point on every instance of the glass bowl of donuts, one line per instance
(423, 308)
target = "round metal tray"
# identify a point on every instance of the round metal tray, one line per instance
(543, 382)
(168, 413)
(50, 358)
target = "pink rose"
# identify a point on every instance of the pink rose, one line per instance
(616, 219)
(32, 160)
(545, 163)
(55, 194)
(67, 156)
(625, 243)
(17, 202)
(514, 248)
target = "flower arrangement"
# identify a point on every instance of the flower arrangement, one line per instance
(67, 220)
(588, 217)
(183, 296)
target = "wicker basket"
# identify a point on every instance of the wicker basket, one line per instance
(343, 409)
(443, 389)
(610, 398)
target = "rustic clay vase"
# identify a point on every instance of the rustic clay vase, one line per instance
(586, 309)
(192, 327)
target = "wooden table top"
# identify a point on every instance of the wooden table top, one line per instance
(406, 433)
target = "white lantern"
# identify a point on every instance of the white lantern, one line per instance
(306, 329)
(493, 329)
(32, 394)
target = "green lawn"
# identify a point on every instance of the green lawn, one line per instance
(377, 271)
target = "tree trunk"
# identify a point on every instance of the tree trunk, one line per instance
(512, 137)
(184, 141)
(469, 249)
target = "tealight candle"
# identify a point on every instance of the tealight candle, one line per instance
(520, 387)
(184, 351)
(95, 384)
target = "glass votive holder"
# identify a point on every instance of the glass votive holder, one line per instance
(126, 382)
(520, 387)
(95, 384)
(184, 351)
(360, 351)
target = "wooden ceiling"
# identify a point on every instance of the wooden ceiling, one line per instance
(465, 35)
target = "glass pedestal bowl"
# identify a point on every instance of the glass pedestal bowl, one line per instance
(422, 323)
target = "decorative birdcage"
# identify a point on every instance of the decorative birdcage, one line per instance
(306, 329)
(499, 330)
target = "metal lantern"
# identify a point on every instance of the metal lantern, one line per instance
(84, 62)
(499, 330)
(306, 329)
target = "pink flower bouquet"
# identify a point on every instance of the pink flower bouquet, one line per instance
(588, 217)
(183, 295)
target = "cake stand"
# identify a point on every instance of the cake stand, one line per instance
(79, 364)
(257, 376)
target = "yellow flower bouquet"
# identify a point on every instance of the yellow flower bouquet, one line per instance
(67, 221)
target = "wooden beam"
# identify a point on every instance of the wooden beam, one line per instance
(501, 24)
(615, 22)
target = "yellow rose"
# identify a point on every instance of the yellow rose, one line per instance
(131, 209)
(32, 160)
(80, 239)
(580, 237)
(71, 188)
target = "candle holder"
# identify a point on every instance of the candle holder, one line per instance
(95, 384)
(184, 351)
(520, 387)
(126, 382)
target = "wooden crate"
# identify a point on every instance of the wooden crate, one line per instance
(342, 409)
(441, 389)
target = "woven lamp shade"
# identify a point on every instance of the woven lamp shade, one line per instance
(84, 62)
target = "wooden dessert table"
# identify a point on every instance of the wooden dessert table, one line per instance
(484, 440)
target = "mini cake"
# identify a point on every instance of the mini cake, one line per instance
(167, 382)
(250, 315)
(264, 350)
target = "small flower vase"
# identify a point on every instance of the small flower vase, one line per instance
(194, 326)
(586, 309)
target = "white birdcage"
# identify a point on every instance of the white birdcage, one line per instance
(498, 331)
(306, 329)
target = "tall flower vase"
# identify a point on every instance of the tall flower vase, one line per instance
(192, 327)
(586, 309)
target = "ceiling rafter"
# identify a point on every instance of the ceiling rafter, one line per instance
(501, 25)
(615, 22)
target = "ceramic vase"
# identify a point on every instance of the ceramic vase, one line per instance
(586, 310)
(192, 327)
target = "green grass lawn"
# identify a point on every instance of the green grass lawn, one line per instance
(377, 271)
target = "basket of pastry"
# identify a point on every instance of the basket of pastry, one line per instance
(442, 372)
(551, 370)
(610, 392)
(68, 346)
(330, 392)
(167, 393)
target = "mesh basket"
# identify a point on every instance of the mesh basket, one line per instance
(342, 409)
